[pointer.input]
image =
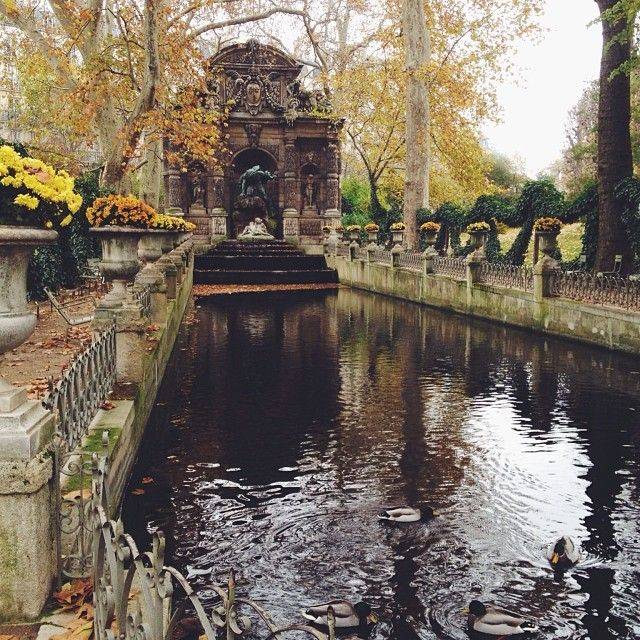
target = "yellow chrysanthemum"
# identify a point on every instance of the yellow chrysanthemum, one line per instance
(24, 200)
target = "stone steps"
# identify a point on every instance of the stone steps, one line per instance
(263, 262)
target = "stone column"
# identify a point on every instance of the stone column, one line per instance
(215, 204)
(332, 192)
(427, 260)
(166, 266)
(130, 336)
(151, 276)
(395, 254)
(291, 214)
(174, 187)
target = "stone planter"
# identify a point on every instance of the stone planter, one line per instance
(16, 247)
(150, 245)
(548, 242)
(372, 236)
(166, 242)
(354, 236)
(430, 238)
(397, 237)
(119, 251)
(478, 242)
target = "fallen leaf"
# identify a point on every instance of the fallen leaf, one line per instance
(138, 492)
(107, 405)
(147, 480)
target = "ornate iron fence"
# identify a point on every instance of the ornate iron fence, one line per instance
(506, 275)
(450, 266)
(361, 253)
(410, 260)
(606, 290)
(383, 256)
(85, 385)
(135, 593)
(142, 296)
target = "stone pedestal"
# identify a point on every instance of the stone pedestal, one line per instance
(198, 215)
(291, 225)
(218, 225)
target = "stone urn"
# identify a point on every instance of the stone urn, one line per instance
(478, 242)
(354, 236)
(430, 238)
(397, 236)
(16, 247)
(166, 242)
(119, 251)
(548, 242)
(372, 237)
(150, 245)
(25, 427)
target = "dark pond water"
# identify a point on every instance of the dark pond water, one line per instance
(288, 422)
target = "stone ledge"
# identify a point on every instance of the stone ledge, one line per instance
(23, 477)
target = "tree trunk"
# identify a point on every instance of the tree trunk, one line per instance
(614, 141)
(151, 173)
(417, 52)
(378, 212)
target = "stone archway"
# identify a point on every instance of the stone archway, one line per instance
(246, 159)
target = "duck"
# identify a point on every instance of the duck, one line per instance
(408, 514)
(347, 615)
(563, 553)
(492, 621)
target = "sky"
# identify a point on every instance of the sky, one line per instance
(553, 73)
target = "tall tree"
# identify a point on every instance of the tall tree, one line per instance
(417, 53)
(614, 157)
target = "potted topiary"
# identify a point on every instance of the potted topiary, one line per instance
(397, 232)
(35, 200)
(547, 229)
(478, 232)
(430, 230)
(372, 230)
(120, 222)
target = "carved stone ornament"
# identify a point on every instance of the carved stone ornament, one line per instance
(253, 133)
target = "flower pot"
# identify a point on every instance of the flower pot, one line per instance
(478, 239)
(150, 245)
(548, 242)
(119, 251)
(372, 236)
(16, 247)
(397, 236)
(430, 238)
(354, 236)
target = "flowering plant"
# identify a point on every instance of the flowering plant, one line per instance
(339, 228)
(478, 226)
(353, 228)
(371, 227)
(170, 223)
(33, 193)
(127, 211)
(430, 227)
(397, 226)
(548, 224)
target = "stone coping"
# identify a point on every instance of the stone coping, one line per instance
(10, 234)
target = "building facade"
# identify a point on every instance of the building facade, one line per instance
(275, 123)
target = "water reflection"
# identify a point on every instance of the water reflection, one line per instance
(288, 422)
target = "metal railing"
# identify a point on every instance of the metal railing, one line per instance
(383, 256)
(144, 599)
(361, 253)
(410, 260)
(450, 266)
(606, 290)
(84, 386)
(342, 249)
(506, 275)
(142, 296)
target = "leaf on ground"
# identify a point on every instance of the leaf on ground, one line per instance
(107, 405)
(82, 632)
(147, 480)
(138, 492)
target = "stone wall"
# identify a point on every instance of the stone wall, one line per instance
(608, 327)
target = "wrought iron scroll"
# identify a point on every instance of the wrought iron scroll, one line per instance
(137, 597)
(85, 385)
(506, 275)
(450, 266)
(142, 296)
(383, 256)
(605, 290)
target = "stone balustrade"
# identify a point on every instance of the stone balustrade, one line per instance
(146, 316)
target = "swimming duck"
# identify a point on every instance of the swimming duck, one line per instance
(492, 621)
(408, 514)
(563, 553)
(346, 614)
